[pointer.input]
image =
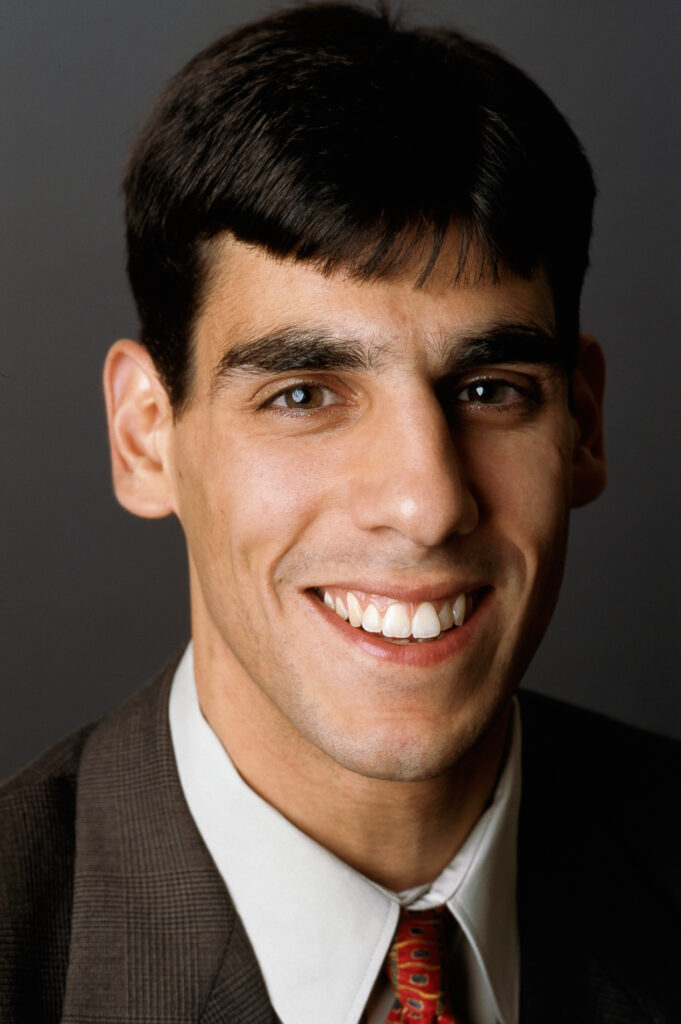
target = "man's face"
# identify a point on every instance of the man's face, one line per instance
(371, 444)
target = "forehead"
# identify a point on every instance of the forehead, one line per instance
(249, 294)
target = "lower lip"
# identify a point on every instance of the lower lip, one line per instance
(418, 655)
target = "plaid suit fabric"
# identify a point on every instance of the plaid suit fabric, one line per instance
(154, 937)
(37, 843)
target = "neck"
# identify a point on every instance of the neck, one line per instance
(398, 833)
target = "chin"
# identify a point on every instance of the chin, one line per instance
(404, 755)
(408, 750)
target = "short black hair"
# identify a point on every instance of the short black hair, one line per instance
(333, 134)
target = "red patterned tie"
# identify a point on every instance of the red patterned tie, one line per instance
(415, 969)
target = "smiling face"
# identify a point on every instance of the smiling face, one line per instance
(374, 482)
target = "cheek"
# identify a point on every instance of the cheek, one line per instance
(244, 506)
(524, 486)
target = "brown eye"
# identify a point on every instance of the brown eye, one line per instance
(490, 392)
(303, 397)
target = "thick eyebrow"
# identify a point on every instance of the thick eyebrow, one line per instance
(290, 349)
(503, 343)
(293, 348)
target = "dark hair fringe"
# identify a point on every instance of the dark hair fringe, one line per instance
(333, 135)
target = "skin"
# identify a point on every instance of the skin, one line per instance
(396, 477)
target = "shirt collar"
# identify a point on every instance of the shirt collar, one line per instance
(304, 909)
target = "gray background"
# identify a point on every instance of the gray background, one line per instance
(91, 600)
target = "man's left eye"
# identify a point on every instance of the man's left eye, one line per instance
(490, 392)
(303, 397)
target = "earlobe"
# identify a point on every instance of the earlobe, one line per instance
(139, 418)
(589, 465)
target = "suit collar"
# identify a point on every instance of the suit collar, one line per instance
(155, 937)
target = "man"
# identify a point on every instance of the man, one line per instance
(357, 253)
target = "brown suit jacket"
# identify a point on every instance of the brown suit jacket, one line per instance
(111, 909)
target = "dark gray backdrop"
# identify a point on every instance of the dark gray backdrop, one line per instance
(92, 600)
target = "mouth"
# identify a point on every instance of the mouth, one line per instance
(403, 623)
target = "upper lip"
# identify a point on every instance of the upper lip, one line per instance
(407, 594)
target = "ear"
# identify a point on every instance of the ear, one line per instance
(140, 421)
(589, 467)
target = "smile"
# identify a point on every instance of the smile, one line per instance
(397, 621)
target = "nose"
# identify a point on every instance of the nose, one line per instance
(409, 477)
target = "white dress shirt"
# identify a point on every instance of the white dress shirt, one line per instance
(321, 930)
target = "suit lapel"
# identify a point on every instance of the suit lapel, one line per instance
(155, 937)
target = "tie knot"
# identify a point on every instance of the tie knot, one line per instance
(415, 969)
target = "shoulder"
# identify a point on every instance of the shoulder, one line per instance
(586, 744)
(37, 839)
(38, 804)
(607, 785)
(39, 810)
(551, 724)
(599, 879)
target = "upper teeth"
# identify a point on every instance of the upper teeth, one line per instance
(398, 620)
